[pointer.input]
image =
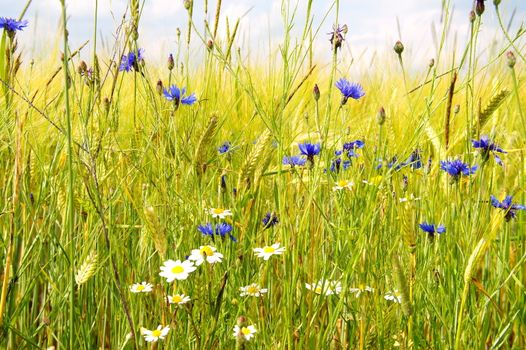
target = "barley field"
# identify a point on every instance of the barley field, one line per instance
(220, 199)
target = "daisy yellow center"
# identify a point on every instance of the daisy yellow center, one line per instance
(361, 286)
(218, 211)
(177, 269)
(245, 331)
(318, 290)
(342, 183)
(252, 289)
(177, 299)
(140, 287)
(269, 250)
(156, 333)
(206, 250)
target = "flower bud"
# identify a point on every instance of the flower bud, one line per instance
(171, 62)
(398, 47)
(316, 92)
(106, 104)
(210, 44)
(431, 63)
(479, 7)
(159, 87)
(82, 68)
(188, 4)
(380, 116)
(511, 59)
(496, 3)
(457, 109)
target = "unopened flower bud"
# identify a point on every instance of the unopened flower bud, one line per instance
(496, 3)
(106, 104)
(380, 116)
(479, 7)
(457, 109)
(159, 87)
(171, 62)
(511, 59)
(188, 4)
(82, 68)
(398, 48)
(316, 92)
(431, 63)
(210, 44)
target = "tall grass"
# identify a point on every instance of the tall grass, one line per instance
(104, 180)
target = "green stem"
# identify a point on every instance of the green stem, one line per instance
(70, 213)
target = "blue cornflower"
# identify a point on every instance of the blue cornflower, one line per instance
(414, 160)
(349, 146)
(294, 160)
(177, 96)
(207, 229)
(225, 147)
(508, 206)
(337, 164)
(486, 147)
(270, 219)
(431, 229)
(131, 60)
(456, 168)
(11, 25)
(310, 150)
(221, 229)
(348, 89)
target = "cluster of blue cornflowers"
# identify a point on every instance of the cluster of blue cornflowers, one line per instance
(343, 157)
(221, 229)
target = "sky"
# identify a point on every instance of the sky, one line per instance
(374, 25)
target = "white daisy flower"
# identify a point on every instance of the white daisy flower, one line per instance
(178, 299)
(176, 270)
(219, 212)
(361, 289)
(253, 290)
(156, 334)
(327, 287)
(394, 296)
(342, 185)
(207, 253)
(141, 287)
(267, 251)
(245, 332)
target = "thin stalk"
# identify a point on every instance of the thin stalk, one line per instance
(70, 214)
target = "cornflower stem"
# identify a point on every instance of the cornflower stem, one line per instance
(70, 213)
